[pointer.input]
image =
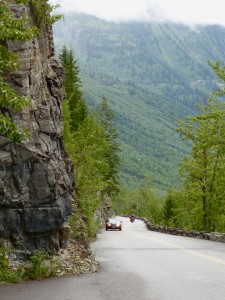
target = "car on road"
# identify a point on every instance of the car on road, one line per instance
(113, 223)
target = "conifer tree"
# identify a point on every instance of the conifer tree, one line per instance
(86, 143)
(73, 89)
(106, 117)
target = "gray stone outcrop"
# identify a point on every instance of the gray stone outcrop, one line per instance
(36, 176)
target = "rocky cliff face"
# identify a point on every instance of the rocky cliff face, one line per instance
(36, 180)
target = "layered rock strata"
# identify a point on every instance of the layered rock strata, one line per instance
(36, 176)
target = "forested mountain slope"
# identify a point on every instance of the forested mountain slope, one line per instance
(152, 75)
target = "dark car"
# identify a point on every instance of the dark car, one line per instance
(113, 223)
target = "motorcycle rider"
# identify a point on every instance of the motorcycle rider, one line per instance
(132, 218)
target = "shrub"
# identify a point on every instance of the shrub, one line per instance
(41, 266)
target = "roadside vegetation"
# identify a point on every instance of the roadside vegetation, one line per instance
(39, 265)
(200, 203)
(91, 139)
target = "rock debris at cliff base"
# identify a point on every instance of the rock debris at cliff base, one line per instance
(76, 260)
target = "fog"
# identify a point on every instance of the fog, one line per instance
(183, 11)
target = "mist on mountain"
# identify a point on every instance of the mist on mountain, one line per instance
(152, 75)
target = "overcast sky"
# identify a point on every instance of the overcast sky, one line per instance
(185, 11)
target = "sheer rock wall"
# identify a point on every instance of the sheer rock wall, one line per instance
(36, 176)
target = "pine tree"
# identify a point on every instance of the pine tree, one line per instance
(106, 117)
(73, 89)
(85, 141)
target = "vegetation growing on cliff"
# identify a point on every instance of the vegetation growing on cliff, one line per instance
(43, 12)
(14, 28)
(91, 140)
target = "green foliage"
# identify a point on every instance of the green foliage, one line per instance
(148, 205)
(4, 265)
(7, 274)
(107, 119)
(220, 72)
(39, 268)
(12, 28)
(43, 12)
(11, 131)
(83, 146)
(168, 210)
(152, 75)
(15, 102)
(200, 204)
(88, 149)
(90, 139)
(17, 29)
(203, 169)
(142, 202)
(72, 86)
(175, 209)
(125, 202)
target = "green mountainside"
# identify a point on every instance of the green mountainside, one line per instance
(152, 75)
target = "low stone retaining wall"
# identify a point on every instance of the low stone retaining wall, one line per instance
(212, 236)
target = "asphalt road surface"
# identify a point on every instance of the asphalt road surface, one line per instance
(138, 264)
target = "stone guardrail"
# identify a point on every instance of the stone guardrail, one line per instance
(212, 236)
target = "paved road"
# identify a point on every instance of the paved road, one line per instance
(140, 265)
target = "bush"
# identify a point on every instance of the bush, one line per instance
(40, 267)
(6, 273)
